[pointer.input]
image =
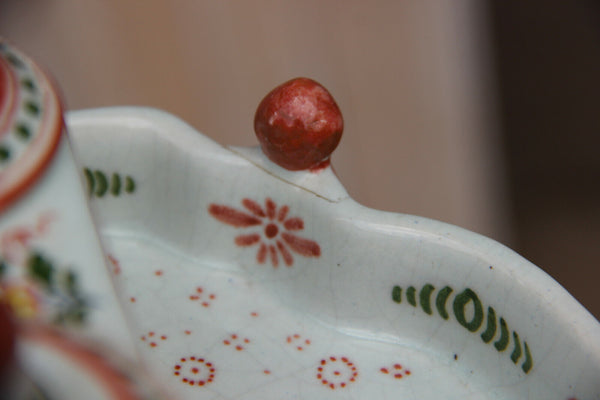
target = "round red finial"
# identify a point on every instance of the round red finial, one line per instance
(298, 124)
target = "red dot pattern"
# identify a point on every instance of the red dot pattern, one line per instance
(204, 298)
(336, 372)
(397, 371)
(194, 371)
(297, 341)
(236, 341)
(152, 339)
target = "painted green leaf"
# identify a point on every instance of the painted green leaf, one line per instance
(397, 294)
(23, 132)
(4, 153)
(28, 84)
(40, 269)
(32, 108)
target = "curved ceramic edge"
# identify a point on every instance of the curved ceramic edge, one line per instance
(522, 273)
(52, 224)
(476, 307)
(31, 127)
(322, 182)
(66, 369)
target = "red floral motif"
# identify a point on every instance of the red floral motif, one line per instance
(276, 238)
(15, 243)
(194, 371)
(336, 372)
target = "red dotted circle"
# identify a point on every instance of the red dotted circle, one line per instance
(336, 372)
(194, 371)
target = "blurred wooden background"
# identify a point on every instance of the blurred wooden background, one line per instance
(480, 114)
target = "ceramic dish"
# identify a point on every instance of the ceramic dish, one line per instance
(73, 340)
(211, 272)
(244, 280)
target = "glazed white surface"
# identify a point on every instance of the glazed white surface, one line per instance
(169, 241)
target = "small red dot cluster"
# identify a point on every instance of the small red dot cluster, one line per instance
(199, 295)
(152, 338)
(396, 370)
(297, 340)
(235, 340)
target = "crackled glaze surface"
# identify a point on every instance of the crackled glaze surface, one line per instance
(52, 271)
(222, 275)
(244, 280)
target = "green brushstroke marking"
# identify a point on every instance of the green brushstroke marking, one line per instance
(440, 301)
(129, 184)
(410, 296)
(490, 331)
(32, 108)
(425, 298)
(517, 352)
(397, 294)
(4, 153)
(102, 183)
(502, 343)
(29, 85)
(115, 185)
(528, 364)
(469, 313)
(22, 131)
(460, 302)
(89, 177)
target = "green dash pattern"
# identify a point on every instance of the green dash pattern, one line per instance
(473, 321)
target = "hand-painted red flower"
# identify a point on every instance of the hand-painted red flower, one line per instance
(276, 238)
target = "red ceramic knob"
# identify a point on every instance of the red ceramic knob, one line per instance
(298, 124)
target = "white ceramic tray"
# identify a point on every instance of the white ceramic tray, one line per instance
(210, 272)
(243, 280)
